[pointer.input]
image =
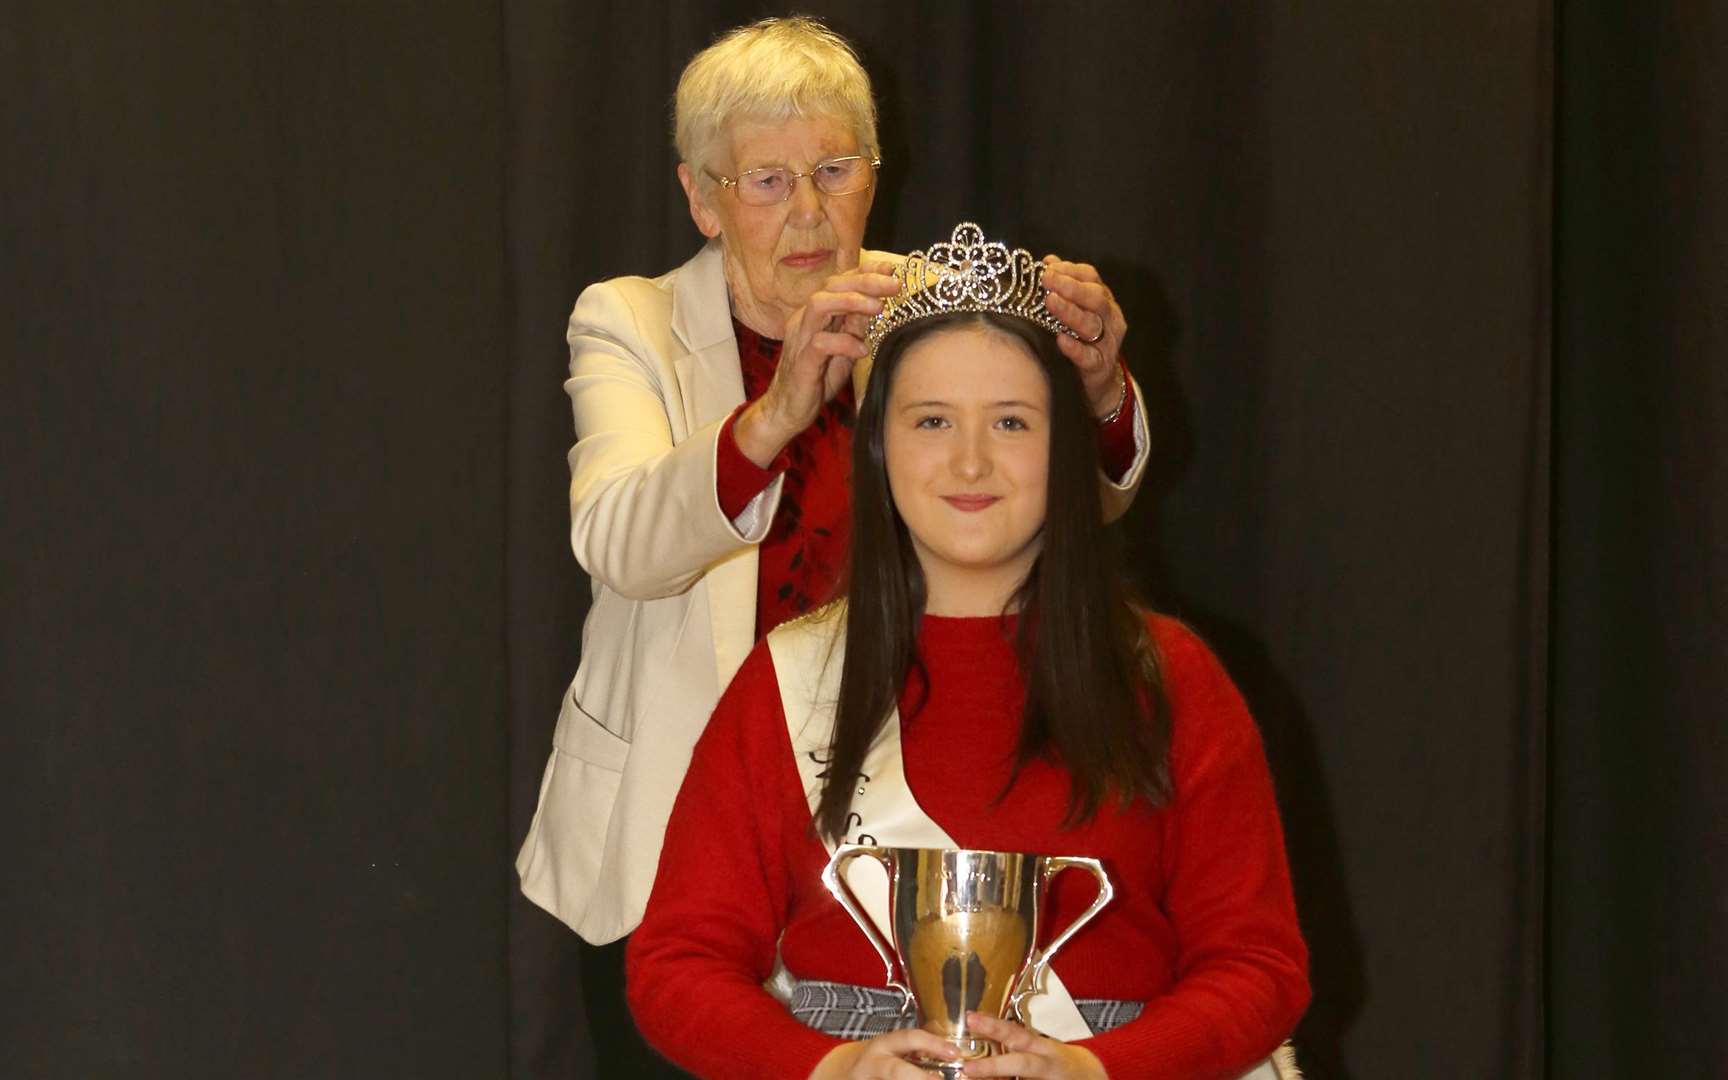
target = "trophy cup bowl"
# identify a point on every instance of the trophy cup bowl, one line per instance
(964, 927)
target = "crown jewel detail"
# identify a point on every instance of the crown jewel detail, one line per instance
(961, 274)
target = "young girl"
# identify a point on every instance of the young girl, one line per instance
(987, 653)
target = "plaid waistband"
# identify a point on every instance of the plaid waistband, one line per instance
(847, 1011)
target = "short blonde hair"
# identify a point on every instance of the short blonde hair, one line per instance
(771, 71)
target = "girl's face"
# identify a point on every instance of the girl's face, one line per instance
(966, 439)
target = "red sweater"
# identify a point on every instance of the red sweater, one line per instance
(803, 555)
(1203, 927)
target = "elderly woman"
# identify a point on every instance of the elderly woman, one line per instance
(713, 410)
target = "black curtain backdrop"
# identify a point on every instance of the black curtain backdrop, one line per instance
(1426, 298)
(1638, 838)
(252, 619)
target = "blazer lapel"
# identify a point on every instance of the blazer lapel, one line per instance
(712, 380)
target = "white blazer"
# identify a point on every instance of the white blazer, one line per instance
(654, 371)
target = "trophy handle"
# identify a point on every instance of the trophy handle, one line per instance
(1033, 977)
(836, 882)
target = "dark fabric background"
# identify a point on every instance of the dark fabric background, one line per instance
(252, 514)
(1638, 844)
(1426, 299)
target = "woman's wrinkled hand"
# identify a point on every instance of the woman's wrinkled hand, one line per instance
(1079, 297)
(883, 1057)
(823, 339)
(1030, 1056)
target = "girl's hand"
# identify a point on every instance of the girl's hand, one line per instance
(1029, 1056)
(883, 1057)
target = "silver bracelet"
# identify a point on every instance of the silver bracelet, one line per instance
(1121, 397)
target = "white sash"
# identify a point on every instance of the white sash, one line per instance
(808, 655)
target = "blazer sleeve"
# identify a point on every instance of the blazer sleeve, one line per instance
(1118, 495)
(645, 516)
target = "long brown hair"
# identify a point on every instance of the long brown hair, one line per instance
(1095, 698)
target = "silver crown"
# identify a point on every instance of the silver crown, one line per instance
(965, 273)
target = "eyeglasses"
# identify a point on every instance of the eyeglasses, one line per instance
(774, 184)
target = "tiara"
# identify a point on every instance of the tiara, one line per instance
(965, 273)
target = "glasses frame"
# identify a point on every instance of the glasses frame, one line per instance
(873, 160)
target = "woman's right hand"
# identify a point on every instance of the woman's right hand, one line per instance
(882, 1058)
(824, 338)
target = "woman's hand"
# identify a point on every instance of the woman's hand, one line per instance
(823, 339)
(1079, 297)
(883, 1057)
(1029, 1056)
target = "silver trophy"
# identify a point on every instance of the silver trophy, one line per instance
(965, 927)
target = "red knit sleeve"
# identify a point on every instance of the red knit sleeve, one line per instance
(737, 479)
(696, 965)
(1242, 968)
(1116, 438)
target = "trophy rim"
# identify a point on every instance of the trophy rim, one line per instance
(969, 851)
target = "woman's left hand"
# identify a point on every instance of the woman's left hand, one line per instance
(1079, 297)
(1029, 1056)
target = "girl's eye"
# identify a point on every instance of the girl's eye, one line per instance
(1012, 423)
(931, 423)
